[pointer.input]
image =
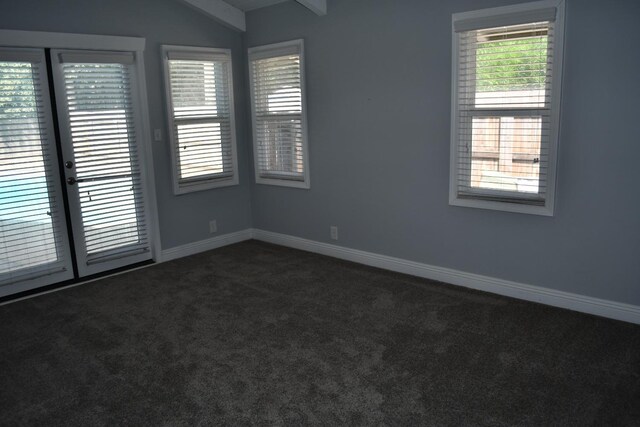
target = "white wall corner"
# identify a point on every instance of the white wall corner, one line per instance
(221, 11)
(206, 245)
(319, 7)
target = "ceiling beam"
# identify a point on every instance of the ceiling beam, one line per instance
(221, 11)
(319, 7)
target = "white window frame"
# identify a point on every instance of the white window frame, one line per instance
(270, 51)
(495, 17)
(204, 53)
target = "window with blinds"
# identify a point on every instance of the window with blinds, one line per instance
(32, 234)
(506, 98)
(279, 114)
(199, 87)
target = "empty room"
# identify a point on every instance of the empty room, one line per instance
(319, 212)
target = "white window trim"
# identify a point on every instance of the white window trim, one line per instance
(273, 50)
(52, 40)
(44, 39)
(505, 13)
(205, 184)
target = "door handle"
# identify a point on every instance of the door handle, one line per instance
(71, 180)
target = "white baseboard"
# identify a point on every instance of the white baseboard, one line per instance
(581, 303)
(599, 307)
(206, 245)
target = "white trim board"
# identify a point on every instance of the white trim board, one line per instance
(45, 39)
(319, 7)
(206, 245)
(222, 12)
(599, 307)
(570, 301)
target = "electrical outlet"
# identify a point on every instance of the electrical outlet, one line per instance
(334, 232)
(157, 135)
(213, 226)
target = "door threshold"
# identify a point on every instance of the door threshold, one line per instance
(67, 284)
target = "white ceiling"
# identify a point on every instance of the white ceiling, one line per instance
(246, 5)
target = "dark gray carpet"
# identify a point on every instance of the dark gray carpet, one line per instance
(258, 334)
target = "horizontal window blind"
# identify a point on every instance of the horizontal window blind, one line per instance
(201, 106)
(278, 111)
(101, 121)
(31, 241)
(506, 17)
(504, 112)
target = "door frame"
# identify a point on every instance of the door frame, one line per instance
(136, 45)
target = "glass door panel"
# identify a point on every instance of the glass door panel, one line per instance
(100, 147)
(34, 247)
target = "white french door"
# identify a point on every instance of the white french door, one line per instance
(101, 154)
(34, 245)
(96, 165)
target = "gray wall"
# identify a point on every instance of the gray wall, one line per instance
(379, 80)
(185, 218)
(379, 89)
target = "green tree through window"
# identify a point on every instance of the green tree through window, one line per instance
(507, 65)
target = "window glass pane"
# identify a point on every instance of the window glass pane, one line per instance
(277, 85)
(193, 87)
(200, 149)
(101, 122)
(201, 115)
(505, 97)
(27, 232)
(511, 66)
(504, 86)
(506, 153)
(280, 146)
(277, 103)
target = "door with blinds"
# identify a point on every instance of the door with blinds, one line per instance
(75, 205)
(101, 153)
(34, 246)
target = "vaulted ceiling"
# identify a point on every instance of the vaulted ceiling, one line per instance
(231, 12)
(247, 5)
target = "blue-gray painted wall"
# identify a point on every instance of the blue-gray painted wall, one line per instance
(185, 218)
(379, 97)
(379, 100)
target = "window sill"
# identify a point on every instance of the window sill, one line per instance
(204, 185)
(546, 210)
(283, 183)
